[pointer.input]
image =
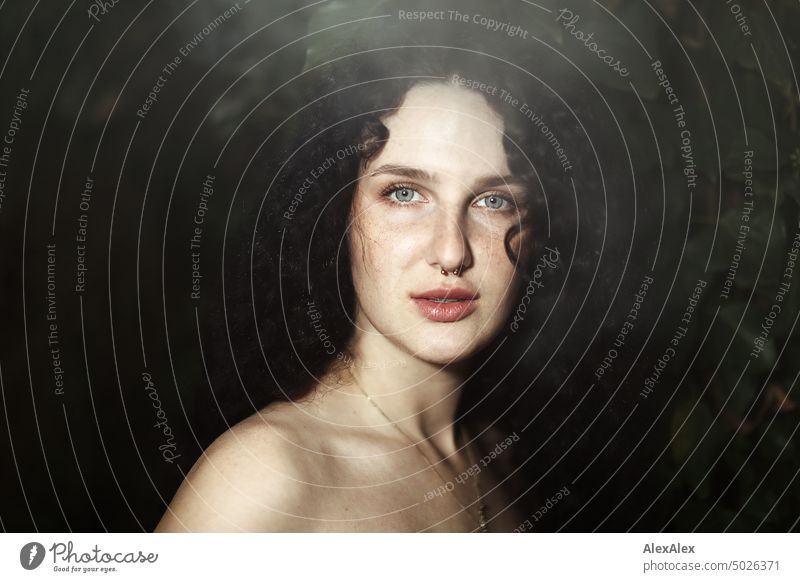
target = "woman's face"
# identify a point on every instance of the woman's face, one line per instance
(439, 195)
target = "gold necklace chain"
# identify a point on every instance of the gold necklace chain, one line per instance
(481, 519)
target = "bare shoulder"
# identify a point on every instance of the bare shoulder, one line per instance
(253, 477)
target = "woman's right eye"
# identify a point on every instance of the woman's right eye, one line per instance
(404, 195)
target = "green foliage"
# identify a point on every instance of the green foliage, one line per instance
(733, 430)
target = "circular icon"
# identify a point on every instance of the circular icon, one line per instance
(31, 555)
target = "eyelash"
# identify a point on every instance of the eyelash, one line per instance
(392, 188)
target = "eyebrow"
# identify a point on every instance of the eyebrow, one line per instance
(423, 175)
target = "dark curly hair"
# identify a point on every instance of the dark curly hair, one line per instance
(294, 254)
(305, 213)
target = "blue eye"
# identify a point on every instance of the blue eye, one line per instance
(494, 202)
(404, 194)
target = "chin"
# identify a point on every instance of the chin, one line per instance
(450, 345)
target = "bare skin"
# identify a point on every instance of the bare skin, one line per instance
(289, 470)
(437, 196)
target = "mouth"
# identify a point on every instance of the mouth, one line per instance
(446, 305)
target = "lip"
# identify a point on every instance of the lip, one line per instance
(446, 312)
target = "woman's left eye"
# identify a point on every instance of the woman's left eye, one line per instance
(494, 202)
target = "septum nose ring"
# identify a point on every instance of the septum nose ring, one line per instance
(455, 272)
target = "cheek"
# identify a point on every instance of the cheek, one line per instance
(381, 246)
(500, 272)
(489, 244)
(520, 241)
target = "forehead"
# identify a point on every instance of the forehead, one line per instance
(446, 130)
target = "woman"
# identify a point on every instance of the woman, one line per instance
(392, 254)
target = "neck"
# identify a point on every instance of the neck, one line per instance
(420, 397)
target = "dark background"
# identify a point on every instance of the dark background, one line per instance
(714, 448)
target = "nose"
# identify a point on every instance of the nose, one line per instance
(449, 247)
